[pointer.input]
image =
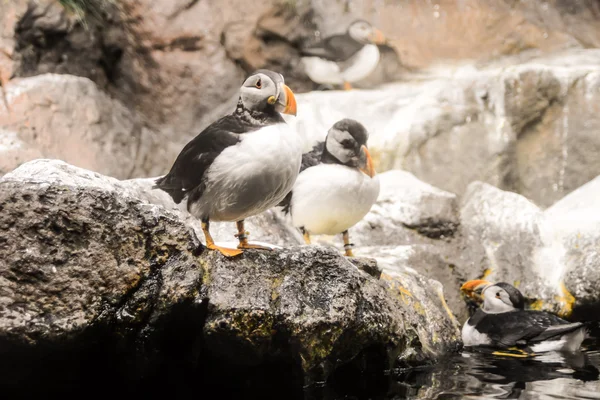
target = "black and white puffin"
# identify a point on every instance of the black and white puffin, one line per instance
(241, 164)
(502, 322)
(337, 184)
(344, 59)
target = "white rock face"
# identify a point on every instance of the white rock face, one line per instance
(552, 255)
(529, 128)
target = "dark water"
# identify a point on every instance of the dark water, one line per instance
(463, 375)
(481, 375)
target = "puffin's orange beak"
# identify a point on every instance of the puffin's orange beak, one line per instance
(290, 101)
(377, 36)
(366, 162)
(470, 287)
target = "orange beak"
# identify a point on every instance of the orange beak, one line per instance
(366, 162)
(377, 37)
(289, 103)
(469, 288)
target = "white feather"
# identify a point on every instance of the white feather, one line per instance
(568, 342)
(472, 337)
(359, 66)
(252, 176)
(364, 62)
(330, 198)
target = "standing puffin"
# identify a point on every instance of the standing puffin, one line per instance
(241, 164)
(337, 184)
(344, 59)
(503, 322)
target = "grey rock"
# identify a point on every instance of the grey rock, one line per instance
(431, 264)
(86, 259)
(69, 118)
(551, 256)
(576, 237)
(501, 235)
(408, 210)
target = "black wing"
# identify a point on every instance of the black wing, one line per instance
(309, 159)
(196, 157)
(336, 48)
(523, 326)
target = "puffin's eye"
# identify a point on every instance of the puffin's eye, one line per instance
(498, 295)
(259, 83)
(347, 143)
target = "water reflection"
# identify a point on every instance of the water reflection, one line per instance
(481, 375)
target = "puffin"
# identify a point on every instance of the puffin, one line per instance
(242, 164)
(346, 58)
(337, 184)
(503, 322)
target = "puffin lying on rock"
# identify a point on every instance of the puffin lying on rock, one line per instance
(503, 322)
(344, 59)
(337, 184)
(242, 164)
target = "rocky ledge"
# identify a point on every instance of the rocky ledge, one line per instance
(95, 277)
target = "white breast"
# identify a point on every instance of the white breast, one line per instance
(252, 176)
(329, 198)
(322, 71)
(472, 337)
(358, 67)
(361, 64)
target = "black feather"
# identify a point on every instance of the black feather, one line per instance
(337, 48)
(520, 327)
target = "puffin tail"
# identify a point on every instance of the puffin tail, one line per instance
(175, 191)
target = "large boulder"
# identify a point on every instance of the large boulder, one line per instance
(68, 117)
(575, 222)
(92, 274)
(551, 256)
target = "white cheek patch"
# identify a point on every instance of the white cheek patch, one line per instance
(334, 146)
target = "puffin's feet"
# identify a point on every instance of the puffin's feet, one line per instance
(514, 352)
(347, 86)
(227, 252)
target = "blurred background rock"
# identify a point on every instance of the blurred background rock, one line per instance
(159, 71)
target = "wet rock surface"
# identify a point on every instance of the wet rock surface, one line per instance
(89, 268)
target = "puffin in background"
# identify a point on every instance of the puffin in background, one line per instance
(242, 164)
(344, 59)
(337, 184)
(503, 322)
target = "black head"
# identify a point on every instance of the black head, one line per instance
(265, 91)
(346, 144)
(514, 294)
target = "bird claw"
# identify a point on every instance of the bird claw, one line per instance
(227, 252)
